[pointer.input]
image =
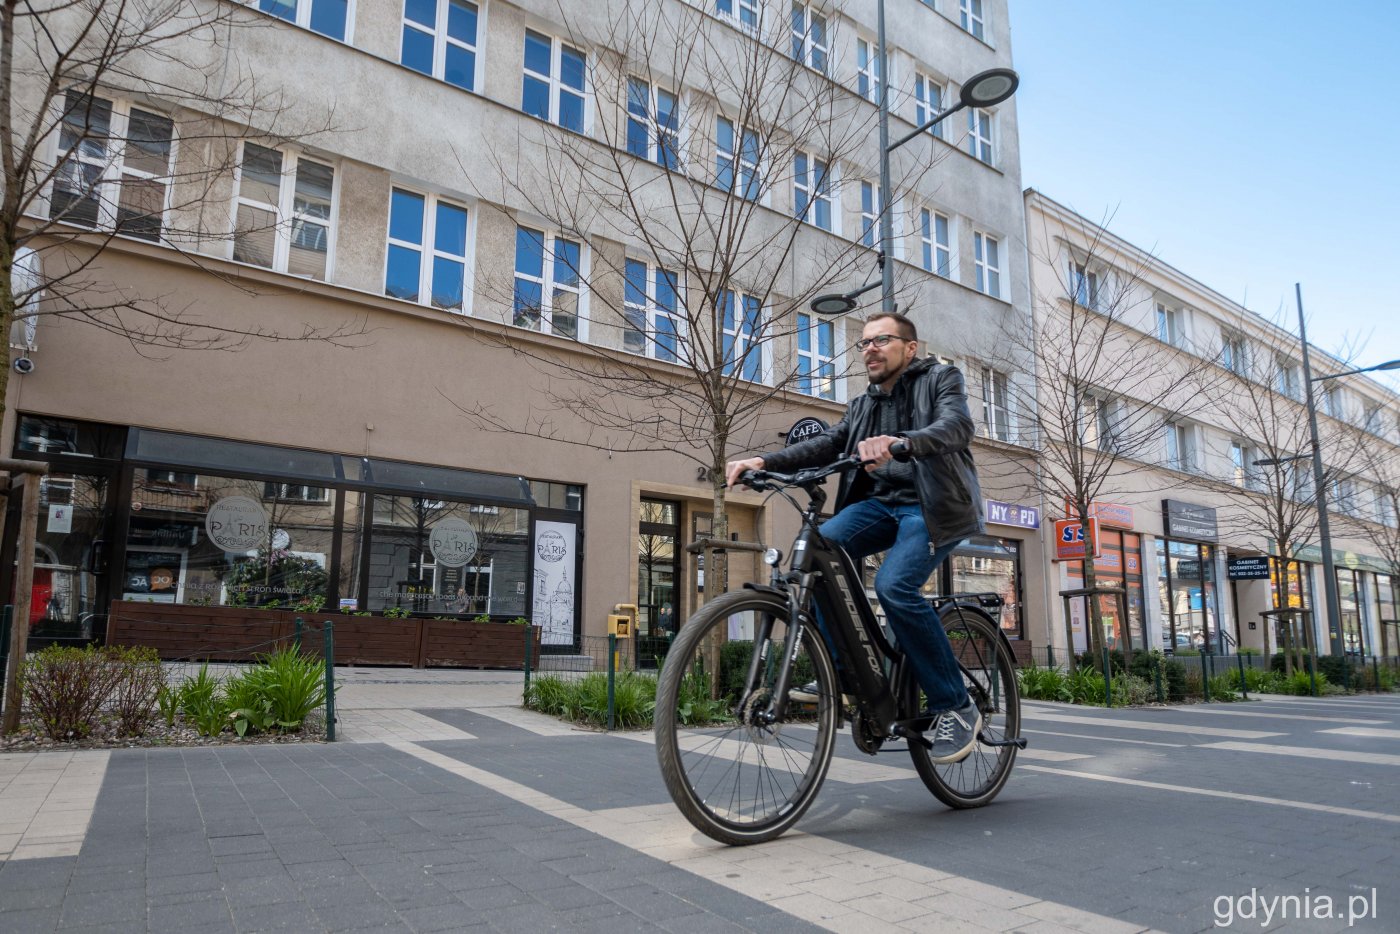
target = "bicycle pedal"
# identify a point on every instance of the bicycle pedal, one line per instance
(912, 736)
(1019, 741)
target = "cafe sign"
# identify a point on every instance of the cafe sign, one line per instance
(237, 524)
(452, 542)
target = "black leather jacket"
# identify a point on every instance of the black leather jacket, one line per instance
(932, 403)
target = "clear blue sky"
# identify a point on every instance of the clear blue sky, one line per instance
(1250, 144)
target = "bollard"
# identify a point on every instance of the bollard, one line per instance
(1312, 673)
(1050, 656)
(529, 646)
(1375, 675)
(4, 646)
(329, 658)
(1244, 685)
(296, 637)
(1346, 674)
(1205, 681)
(1157, 670)
(612, 676)
(1107, 680)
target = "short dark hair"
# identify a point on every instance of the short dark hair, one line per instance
(906, 326)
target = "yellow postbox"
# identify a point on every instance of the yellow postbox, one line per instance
(620, 626)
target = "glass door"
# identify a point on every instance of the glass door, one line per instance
(69, 592)
(658, 569)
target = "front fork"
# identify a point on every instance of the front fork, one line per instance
(762, 660)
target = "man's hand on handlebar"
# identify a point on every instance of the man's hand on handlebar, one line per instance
(734, 468)
(876, 451)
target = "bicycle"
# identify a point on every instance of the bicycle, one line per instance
(743, 761)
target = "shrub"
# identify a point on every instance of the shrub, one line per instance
(586, 700)
(245, 703)
(1132, 690)
(293, 686)
(1039, 683)
(139, 685)
(694, 704)
(1086, 686)
(1221, 688)
(734, 659)
(65, 687)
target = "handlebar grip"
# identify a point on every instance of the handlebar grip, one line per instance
(900, 451)
(751, 479)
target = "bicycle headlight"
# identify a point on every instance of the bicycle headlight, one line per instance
(772, 557)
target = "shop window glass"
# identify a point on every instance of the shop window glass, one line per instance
(1120, 565)
(219, 542)
(992, 565)
(444, 557)
(63, 599)
(1349, 605)
(39, 435)
(1187, 591)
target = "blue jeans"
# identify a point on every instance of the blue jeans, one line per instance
(868, 527)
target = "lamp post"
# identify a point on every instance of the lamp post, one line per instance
(1329, 566)
(984, 89)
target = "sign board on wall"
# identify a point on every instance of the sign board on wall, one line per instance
(1248, 569)
(1186, 520)
(1109, 514)
(1069, 539)
(237, 524)
(805, 428)
(1025, 517)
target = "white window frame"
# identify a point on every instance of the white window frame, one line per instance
(287, 492)
(872, 195)
(1239, 463)
(1181, 448)
(804, 183)
(1286, 379)
(555, 81)
(302, 17)
(812, 324)
(1171, 325)
(936, 255)
(805, 48)
(972, 18)
(654, 130)
(925, 87)
(1334, 401)
(285, 210)
(1370, 416)
(1234, 352)
(739, 165)
(1083, 285)
(996, 405)
(868, 74)
(651, 312)
(981, 135)
(427, 250)
(744, 338)
(112, 167)
(549, 282)
(441, 40)
(745, 14)
(987, 274)
(1103, 422)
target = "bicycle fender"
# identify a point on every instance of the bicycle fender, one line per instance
(766, 588)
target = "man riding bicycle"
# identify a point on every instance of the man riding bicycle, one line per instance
(917, 511)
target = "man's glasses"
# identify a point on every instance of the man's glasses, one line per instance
(879, 340)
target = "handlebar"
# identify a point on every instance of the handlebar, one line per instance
(770, 480)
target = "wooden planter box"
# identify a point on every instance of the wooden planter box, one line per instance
(179, 631)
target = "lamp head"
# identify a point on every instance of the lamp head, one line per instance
(833, 304)
(989, 88)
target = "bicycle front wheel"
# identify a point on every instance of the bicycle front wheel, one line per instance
(734, 776)
(989, 671)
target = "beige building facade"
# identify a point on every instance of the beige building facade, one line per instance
(433, 295)
(1206, 513)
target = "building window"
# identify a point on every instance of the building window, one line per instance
(996, 410)
(171, 478)
(1169, 326)
(1243, 473)
(1101, 423)
(284, 212)
(328, 17)
(654, 313)
(816, 356)
(427, 256)
(547, 283)
(971, 19)
(979, 135)
(1180, 441)
(653, 123)
(745, 12)
(1234, 353)
(868, 77)
(1083, 286)
(1388, 505)
(986, 255)
(746, 157)
(1332, 402)
(809, 42)
(1345, 497)
(928, 103)
(1370, 417)
(871, 204)
(1286, 377)
(743, 335)
(295, 492)
(113, 167)
(936, 236)
(552, 88)
(439, 39)
(811, 190)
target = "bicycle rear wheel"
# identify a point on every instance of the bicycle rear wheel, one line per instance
(736, 778)
(989, 671)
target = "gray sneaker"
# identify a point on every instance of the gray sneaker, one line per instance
(955, 733)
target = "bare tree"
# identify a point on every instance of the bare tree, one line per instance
(122, 119)
(1106, 391)
(698, 269)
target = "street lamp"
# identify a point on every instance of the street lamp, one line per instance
(984, 89)
(1329, 567)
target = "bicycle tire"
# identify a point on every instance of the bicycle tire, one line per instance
(989, 670)
(740, 783)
